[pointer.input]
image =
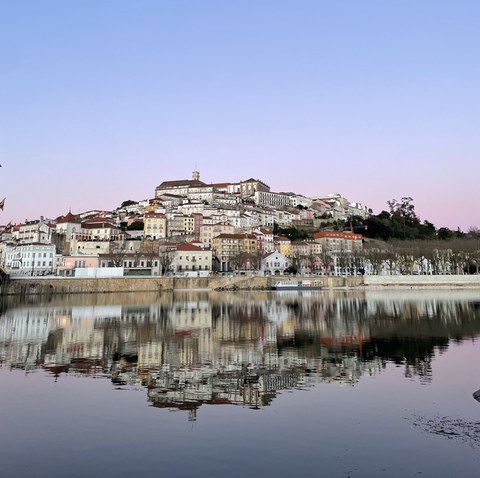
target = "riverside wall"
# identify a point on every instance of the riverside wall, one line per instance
(65, 286)
(414, 281)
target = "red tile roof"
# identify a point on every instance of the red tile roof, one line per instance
(188, 247)
(68, 218)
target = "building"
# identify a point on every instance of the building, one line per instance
(249, 187)
(338, 241)
(342, 250)
(154, 225)
(39, 231)
(228, 246)
(209, 231)
(100, 229)
(68, 226)
(191, 260)
(283, 245)
(267, 198)
(180, 187)
(68, 264)
(35, 259)
(134, 263)
(264, 239)
(275, 264)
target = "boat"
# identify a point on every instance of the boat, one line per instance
(297, 285)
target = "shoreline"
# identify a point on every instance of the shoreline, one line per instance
(65, 286)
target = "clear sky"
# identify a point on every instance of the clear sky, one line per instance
(101, 101)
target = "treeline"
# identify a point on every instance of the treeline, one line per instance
(401, 222)
(435, 256)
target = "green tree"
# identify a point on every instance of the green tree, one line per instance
(128, 202)
(135, 226)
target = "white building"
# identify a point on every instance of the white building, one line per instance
(30, 259)
(35, 231)
(275, 263)
(267, 198)
(189, 258)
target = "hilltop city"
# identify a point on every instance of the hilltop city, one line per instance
(191, 228)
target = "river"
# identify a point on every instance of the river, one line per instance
(280, 384)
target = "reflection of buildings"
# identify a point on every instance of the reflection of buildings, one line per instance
(196, 351)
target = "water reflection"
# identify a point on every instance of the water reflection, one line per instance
(192, 349)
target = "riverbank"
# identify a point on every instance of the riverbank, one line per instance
(61, 285)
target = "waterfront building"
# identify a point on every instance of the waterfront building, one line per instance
(189, 259)
(274, 264)
(67, 264)
(134, 263)
(35, 259)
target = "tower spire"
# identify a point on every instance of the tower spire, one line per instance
(196, 174)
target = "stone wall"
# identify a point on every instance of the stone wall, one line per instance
(57, 285)
(71, 285)
(423, 281)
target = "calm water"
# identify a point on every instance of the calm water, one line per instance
(213, 385)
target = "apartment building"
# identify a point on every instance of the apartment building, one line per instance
(33, 259)
(35, 231)
(228, 246)
(189, 258)
(338, 241)
(209, 231)
(155, 226)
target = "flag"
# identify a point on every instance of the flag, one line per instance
(2, 203)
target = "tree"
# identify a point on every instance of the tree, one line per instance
(379, 227)
(444, 233)
(326, 261)
(166, 257)
(358, 261)
(128, 202)
(116, 254)
(376, 258)
(245, 261)
(135, 226)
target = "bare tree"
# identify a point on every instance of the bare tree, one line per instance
(376, 258)
(407, 256)
(116, 254)
(166, 256)
(343, 259)
(326, 261)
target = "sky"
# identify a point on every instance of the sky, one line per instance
(101, 101)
